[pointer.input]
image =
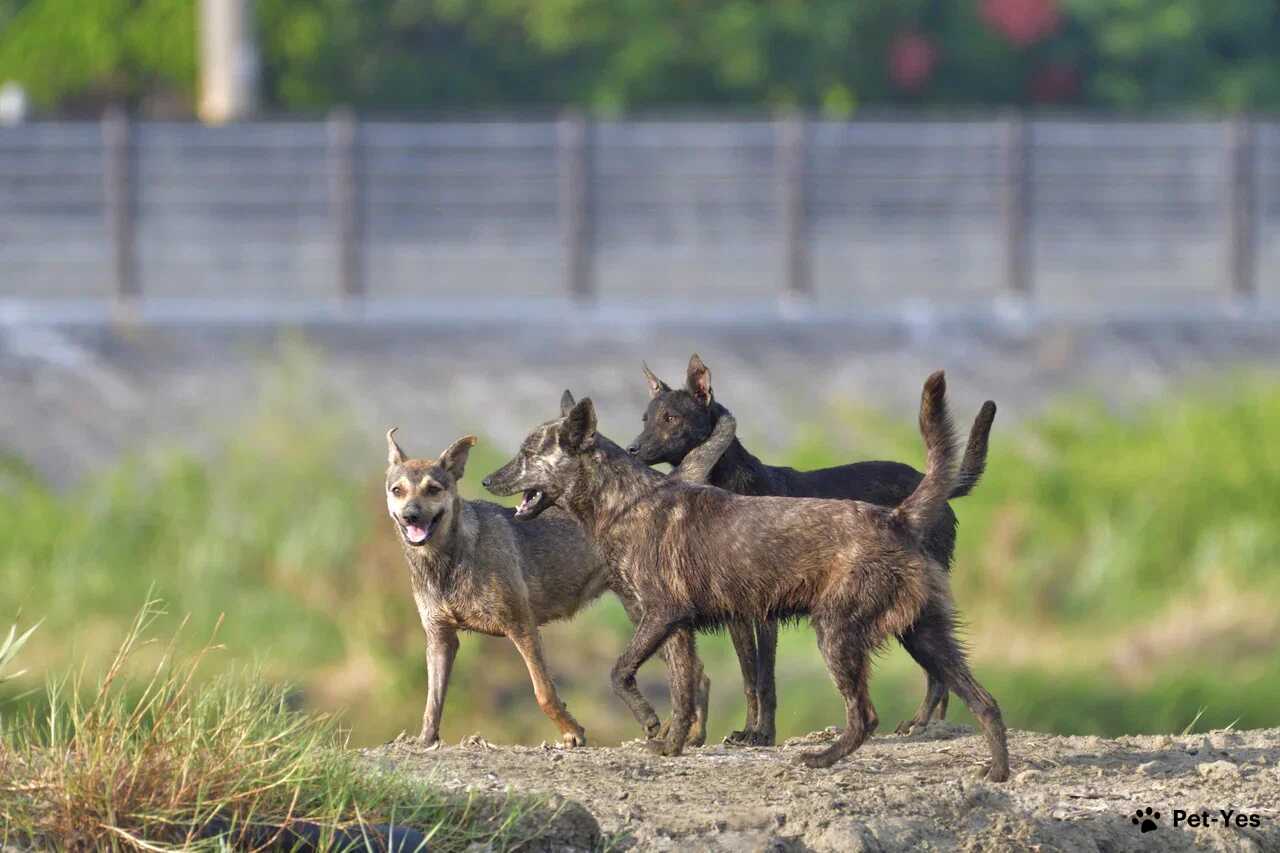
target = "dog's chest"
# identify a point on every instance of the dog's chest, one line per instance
(478, 611)
(462, 597)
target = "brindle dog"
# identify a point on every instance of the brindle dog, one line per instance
(678, 420)
(473, 568)
(697, 557)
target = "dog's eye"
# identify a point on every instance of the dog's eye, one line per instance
(433, 489)
(669, 418)
(398, 491)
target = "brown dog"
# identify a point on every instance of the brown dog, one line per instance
(679, 419)
(698, 557)
(473, 568)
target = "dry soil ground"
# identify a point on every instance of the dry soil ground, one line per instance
(896, 793)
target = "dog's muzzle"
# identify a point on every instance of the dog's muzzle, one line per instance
(532, 502)
(418, 534)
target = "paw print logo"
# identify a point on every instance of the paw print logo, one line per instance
(1146, 820)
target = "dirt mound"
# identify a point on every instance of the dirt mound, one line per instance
(918, 792)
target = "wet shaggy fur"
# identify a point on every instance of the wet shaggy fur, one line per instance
(477, 569)
(678, 420)
(697, 556)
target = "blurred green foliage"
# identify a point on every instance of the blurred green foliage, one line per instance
(72, 52)
(1116, 571)
(610, 55)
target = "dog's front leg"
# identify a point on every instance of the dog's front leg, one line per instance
(527, 641)
(652, 631)
(684, 673)
(702, 690)
(442, 646)
(744, 643)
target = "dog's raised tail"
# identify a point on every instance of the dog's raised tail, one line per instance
(974, 463)
(923, 506)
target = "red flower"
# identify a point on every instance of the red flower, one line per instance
(912, 57)
(1023, 22)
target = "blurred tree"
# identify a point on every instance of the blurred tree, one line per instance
(610, 55)
(72, 53)
(1194, 53)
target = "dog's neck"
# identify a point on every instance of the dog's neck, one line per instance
(737, 469)
(433, 562)
(608, 483)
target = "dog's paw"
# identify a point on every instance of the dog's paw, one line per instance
(697, 736)
(425, 737)
(906, 727)
(652, 726)
(818, 760)
(749, 737)
(662, 746)
(423, 741)
(991, 773)
(574, 739)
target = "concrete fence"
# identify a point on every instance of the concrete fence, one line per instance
(1058, 211)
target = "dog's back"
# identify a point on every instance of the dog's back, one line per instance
(878, 482)
(762, 557)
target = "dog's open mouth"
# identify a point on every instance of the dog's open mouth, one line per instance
(530, 502)
(416, 535)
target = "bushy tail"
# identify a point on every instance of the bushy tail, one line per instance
(974, 462)
(923, 506)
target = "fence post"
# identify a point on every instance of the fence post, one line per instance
(345, 201)
(792, 171)
(1242, 219)
(118, 184)
(1016, 205)
(573, 139)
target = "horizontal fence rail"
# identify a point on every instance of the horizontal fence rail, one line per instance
(1065, 212)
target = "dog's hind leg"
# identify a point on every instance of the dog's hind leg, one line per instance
(529, 644)
(651, 632)
(932, 707)
(766, 684)
(940, 710)
(702, 701)
(937, 638)
(983, 706)
(744, 643)
(914, 640)
(847, 651)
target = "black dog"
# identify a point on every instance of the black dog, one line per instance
(678, 420)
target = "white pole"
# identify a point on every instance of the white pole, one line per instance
(228, 61)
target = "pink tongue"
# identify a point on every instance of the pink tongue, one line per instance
(415, 534)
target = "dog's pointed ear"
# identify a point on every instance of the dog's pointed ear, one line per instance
(454, 460)
(698, 380)
(566, 402)
(394, 454)
(656, 385)
(580, 425)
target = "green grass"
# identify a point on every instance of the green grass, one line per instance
(1115, 570)
(153, 760)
